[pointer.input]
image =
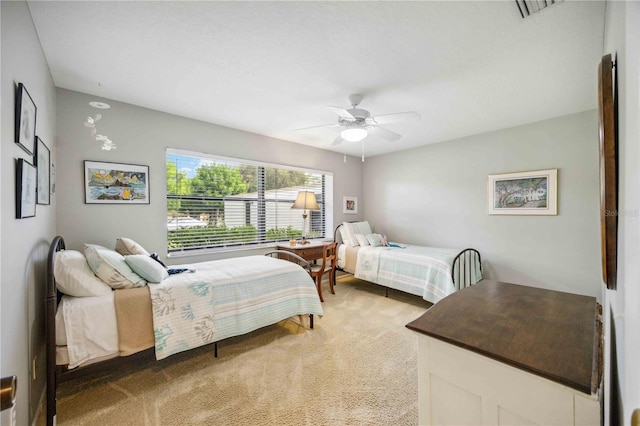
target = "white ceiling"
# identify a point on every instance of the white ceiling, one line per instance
(271, 67)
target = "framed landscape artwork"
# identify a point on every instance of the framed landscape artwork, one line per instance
(25, 120)
(523, 193)
(350, 205)
(25, 189)
(43, 158)
(115, 183)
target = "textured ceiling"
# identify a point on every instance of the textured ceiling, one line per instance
(271, 67)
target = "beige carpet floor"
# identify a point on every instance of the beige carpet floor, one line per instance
(357, 367)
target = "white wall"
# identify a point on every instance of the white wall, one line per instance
(436, 196)
(25, 242)
(142, 135)
(622, 38)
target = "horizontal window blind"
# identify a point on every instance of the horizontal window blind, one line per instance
(218, 202)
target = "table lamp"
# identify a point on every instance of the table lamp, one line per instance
(306, 200)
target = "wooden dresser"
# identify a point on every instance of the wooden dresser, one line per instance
(499, 353)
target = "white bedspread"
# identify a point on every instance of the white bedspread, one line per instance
(368, 263)
(228, 297)
(423, 271)
(90, 327)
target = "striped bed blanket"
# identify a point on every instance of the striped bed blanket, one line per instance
(423, 271)
(225, 298)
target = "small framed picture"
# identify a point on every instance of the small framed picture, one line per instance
(25, 189)
(25, 120)
(115, 183)
(43, 158)
(524, 193)
(350, 205)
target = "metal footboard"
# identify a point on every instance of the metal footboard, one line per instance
(467, 267)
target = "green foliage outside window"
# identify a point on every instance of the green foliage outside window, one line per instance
(205, 236)
(191, 198)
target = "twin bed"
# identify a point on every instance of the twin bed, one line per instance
(429, 272)
(204, 304)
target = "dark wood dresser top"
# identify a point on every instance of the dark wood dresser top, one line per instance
(548, 333)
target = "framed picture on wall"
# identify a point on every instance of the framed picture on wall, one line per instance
(350, 205)
(25, 120)
(25, 189)
(523, 193)
(607, 120)
(115, 183)
(43, 158)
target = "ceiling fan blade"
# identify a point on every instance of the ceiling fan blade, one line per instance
(394, 118)
(316, 127)
(342, 113)
(337, 141)
(384, 134)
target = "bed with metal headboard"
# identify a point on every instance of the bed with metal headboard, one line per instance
(430, 272)
(205, 303)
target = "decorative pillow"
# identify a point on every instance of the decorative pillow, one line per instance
(147, 267)
(347, 236)
(155, 257)
(362, 240)
(75, 278)
(126, 246)
(111, 267)
(344, 233)
(354, 228)
(383, 240)
(374, 239)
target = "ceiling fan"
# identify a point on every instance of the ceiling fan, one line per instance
(358, 123)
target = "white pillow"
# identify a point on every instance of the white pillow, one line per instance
(354, 228)
(126, 246)
(348, 237)
(111, 268)
(75, 278)
(374, 239)
(148, 268)
(345, 235)
(362, 240)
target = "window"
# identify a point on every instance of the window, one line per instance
(216, 202)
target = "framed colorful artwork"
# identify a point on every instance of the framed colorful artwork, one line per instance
(115, 183)
(350, 205)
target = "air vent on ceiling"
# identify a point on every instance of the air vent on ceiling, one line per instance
(529, 7)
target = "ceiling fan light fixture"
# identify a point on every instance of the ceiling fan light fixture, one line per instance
(354, 134)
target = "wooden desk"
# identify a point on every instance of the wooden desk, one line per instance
(499, 353)
(308, 252)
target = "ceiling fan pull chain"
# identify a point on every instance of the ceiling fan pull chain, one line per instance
(363, 150)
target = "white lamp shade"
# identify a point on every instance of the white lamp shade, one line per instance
(354, 134)
(306, 200)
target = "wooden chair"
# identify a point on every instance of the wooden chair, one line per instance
(329, 260)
